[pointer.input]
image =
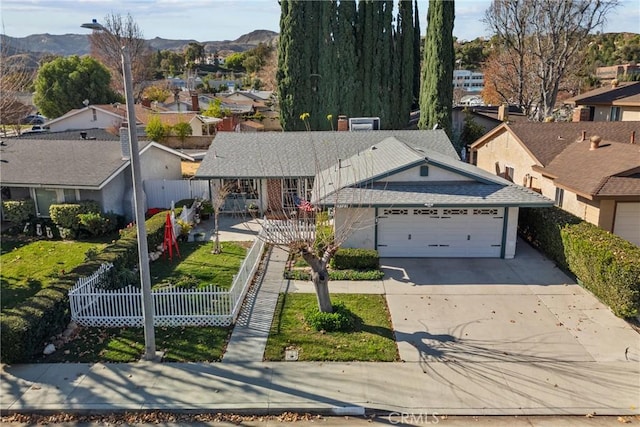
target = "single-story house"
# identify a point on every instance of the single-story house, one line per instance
(599, 184)
(109, 116)
(412, 194)
(618, 101)
(50, 170)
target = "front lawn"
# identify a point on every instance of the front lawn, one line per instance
(371, 340)
(29, 266)
(197, 266)
(123, 345)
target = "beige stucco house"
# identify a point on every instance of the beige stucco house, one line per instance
(598, 184)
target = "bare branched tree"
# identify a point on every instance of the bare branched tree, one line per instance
(547, 34)
(107, 45)
(219, 199)
(16, 75)
(305, 226)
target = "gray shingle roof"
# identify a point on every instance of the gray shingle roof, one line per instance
(356, 183)
(72, 163)
(99, 134)
(386, 158)
(439, 194)
(278, 154)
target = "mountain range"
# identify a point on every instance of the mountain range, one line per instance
(78, 44)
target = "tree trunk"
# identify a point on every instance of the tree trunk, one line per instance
(216, 244)
(320, 281)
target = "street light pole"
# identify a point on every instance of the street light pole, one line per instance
(138, 197)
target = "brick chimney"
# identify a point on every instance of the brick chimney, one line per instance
(146, 102)
(633, 137)
(195, 105)
(584, 136)
(343, 123)
(503, 112)
(595, 142)
(581, 114)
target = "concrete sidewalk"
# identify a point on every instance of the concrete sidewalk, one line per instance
(571, 369)
(528, 387)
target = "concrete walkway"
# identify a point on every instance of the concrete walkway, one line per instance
(478, 337)
(249, 337)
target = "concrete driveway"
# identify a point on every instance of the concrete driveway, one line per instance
(493, 310)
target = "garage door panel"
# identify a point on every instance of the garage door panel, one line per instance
(627, 222)
(443, 232)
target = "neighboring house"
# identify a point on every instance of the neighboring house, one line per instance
(617, 72)
(109, 116)
(601, 186)
(51, 170)
(488, 117)
(413, 195)
(619, 101)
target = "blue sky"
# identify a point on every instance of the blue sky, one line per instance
(212, 20)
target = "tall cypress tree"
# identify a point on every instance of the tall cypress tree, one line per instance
(436, 93)
(346, 64)
(417, 39)
(293, 65)
(404, 63)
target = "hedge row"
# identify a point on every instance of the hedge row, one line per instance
(604, 263)
(27, 327)
(355, 259)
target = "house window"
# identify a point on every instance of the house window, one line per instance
(559, 197)
(245, 186)
(615, 114)
(44, 199)
(508, 173)
(424, 170)
(290, 192)
(70, 196)
(295, 189)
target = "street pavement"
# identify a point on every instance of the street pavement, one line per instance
(476, 337)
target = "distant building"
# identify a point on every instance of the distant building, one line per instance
(617, 72)
(469, 81)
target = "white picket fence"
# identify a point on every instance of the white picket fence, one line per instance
(161, 193)
(281, 232)
(208, 306)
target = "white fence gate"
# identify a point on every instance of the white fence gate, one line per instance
(161, 192)
(209, 306)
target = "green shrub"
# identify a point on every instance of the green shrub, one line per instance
(118, 278)
(297, 275)
(94, 223)
(25, 329)
(357, 259)
(340, 320)
(19, 211)
(65, 215)
(606, 264)
(356, 275)
(541, 227)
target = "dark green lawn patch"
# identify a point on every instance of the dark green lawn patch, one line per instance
(29, 266)
(197, 266)
(372, 337)
(186, 344)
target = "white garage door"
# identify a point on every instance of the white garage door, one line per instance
(440, 232)
(627, 222)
